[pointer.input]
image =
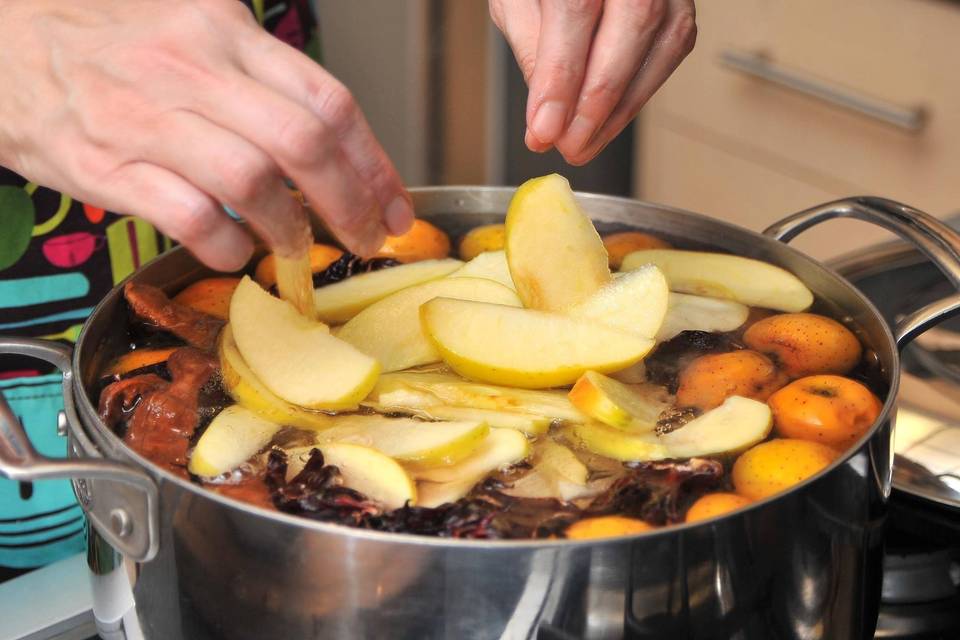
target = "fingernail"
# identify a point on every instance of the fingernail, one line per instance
(535, 145)
(549, 120)
(579, 132)
(399, 216)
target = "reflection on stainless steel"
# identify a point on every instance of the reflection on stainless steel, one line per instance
(803, 565)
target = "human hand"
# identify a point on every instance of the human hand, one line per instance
(591, 65)
(167, 108)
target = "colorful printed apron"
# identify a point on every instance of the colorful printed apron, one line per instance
(58, 257)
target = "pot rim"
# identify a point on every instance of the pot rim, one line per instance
(89, 414)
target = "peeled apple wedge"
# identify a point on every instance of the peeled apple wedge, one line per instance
(375, 475)
(561, 463)
(424, 444)
(687, 312)
(736, 425)
(247, 390)
(434, 494)
(390, 331)
(522, 347)
(635, 302)
(616, 404)
(618, 444)
(718, 275)
(491, 265)
(556, 257)
(500, 448)
(429, 390)
(340, 301)
(232, 438)
(296, 358)
(405, 401)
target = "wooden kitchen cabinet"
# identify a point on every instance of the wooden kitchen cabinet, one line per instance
(722, 142)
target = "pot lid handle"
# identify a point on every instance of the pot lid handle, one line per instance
(119, 499)
(934, 238)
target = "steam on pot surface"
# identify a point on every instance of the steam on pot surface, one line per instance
(522, 391)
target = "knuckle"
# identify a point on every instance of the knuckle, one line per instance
(526, 60)
(245, 177)
(338, 108)
(196, 218)
(685, 32)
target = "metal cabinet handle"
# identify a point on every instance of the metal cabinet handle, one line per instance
(936, 240)
(761, 67)
(128, 516)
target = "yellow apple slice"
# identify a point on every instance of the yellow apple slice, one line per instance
(616, 443)
(501, 447)
(429, 390)
(635, 302)
(522, 347)
(375, 475)
(687, 312)
(616, 404)
(415, 442)
(491, 265)
(340, 301)
(247, 390)
(434, 494)
(736, 425)
(556, 257)
(398, 402)
(232, 437)
(719, 275)
(390, 330)
(561, 463)
(296, 358)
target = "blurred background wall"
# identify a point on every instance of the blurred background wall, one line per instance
(781, 106)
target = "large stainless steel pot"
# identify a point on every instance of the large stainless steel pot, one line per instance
(173, 561)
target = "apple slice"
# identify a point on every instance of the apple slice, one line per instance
(501, 447)
(404, 401)
(429, 390)
(617, 405)
(635, 302)
(522, 347)
(390, 331)
(247, 390)
(686, 312)
(556, 257)
(616, 443)
(232, 437)
(736, 425)
(340, 301)
(561, 463)
(491, 265)
(434, 494)
(295, 358)
(375, 475)
(719, 275)
(423, 444)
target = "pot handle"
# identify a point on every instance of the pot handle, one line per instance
(126, 513)
(939, 242)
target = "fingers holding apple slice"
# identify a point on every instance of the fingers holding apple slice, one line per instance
(294, 357)
(523, 347)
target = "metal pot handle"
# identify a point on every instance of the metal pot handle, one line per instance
(936, 240)
(119, 499)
